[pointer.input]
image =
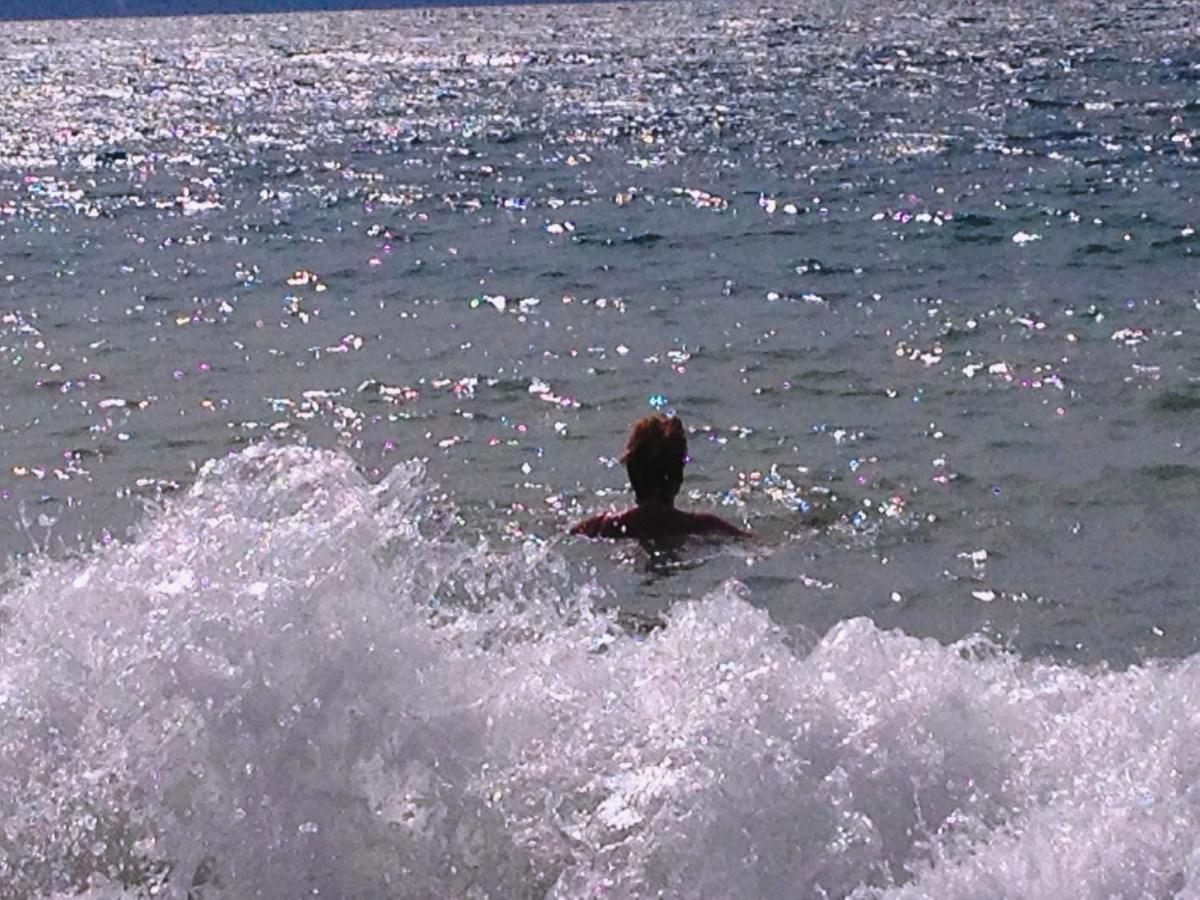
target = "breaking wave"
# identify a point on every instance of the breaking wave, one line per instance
(291, 681)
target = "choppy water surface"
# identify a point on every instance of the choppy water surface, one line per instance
(316, 332)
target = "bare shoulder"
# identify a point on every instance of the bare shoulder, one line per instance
(637, 523)
(590, 527)
(602, 525)
(708, 523)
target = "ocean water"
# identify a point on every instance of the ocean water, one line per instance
(317, 331)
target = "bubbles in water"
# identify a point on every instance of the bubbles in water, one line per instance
(293, 681)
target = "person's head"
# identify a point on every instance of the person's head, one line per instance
(654, 458)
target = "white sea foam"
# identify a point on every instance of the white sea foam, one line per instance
(291, 681)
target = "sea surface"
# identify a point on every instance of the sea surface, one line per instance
(318, 331)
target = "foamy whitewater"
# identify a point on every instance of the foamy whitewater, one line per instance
(290, 683)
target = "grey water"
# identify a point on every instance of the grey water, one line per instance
(324, 328)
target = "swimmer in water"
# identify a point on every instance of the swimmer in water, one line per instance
(654, 459)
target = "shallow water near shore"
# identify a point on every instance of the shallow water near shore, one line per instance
(316, 332)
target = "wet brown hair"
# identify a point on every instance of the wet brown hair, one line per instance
(654, 457)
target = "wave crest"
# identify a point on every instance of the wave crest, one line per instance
(291, 680)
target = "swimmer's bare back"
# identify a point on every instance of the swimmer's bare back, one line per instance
(654, 458)
(648, 523)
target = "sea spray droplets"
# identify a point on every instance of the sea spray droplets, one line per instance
(519, 743)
